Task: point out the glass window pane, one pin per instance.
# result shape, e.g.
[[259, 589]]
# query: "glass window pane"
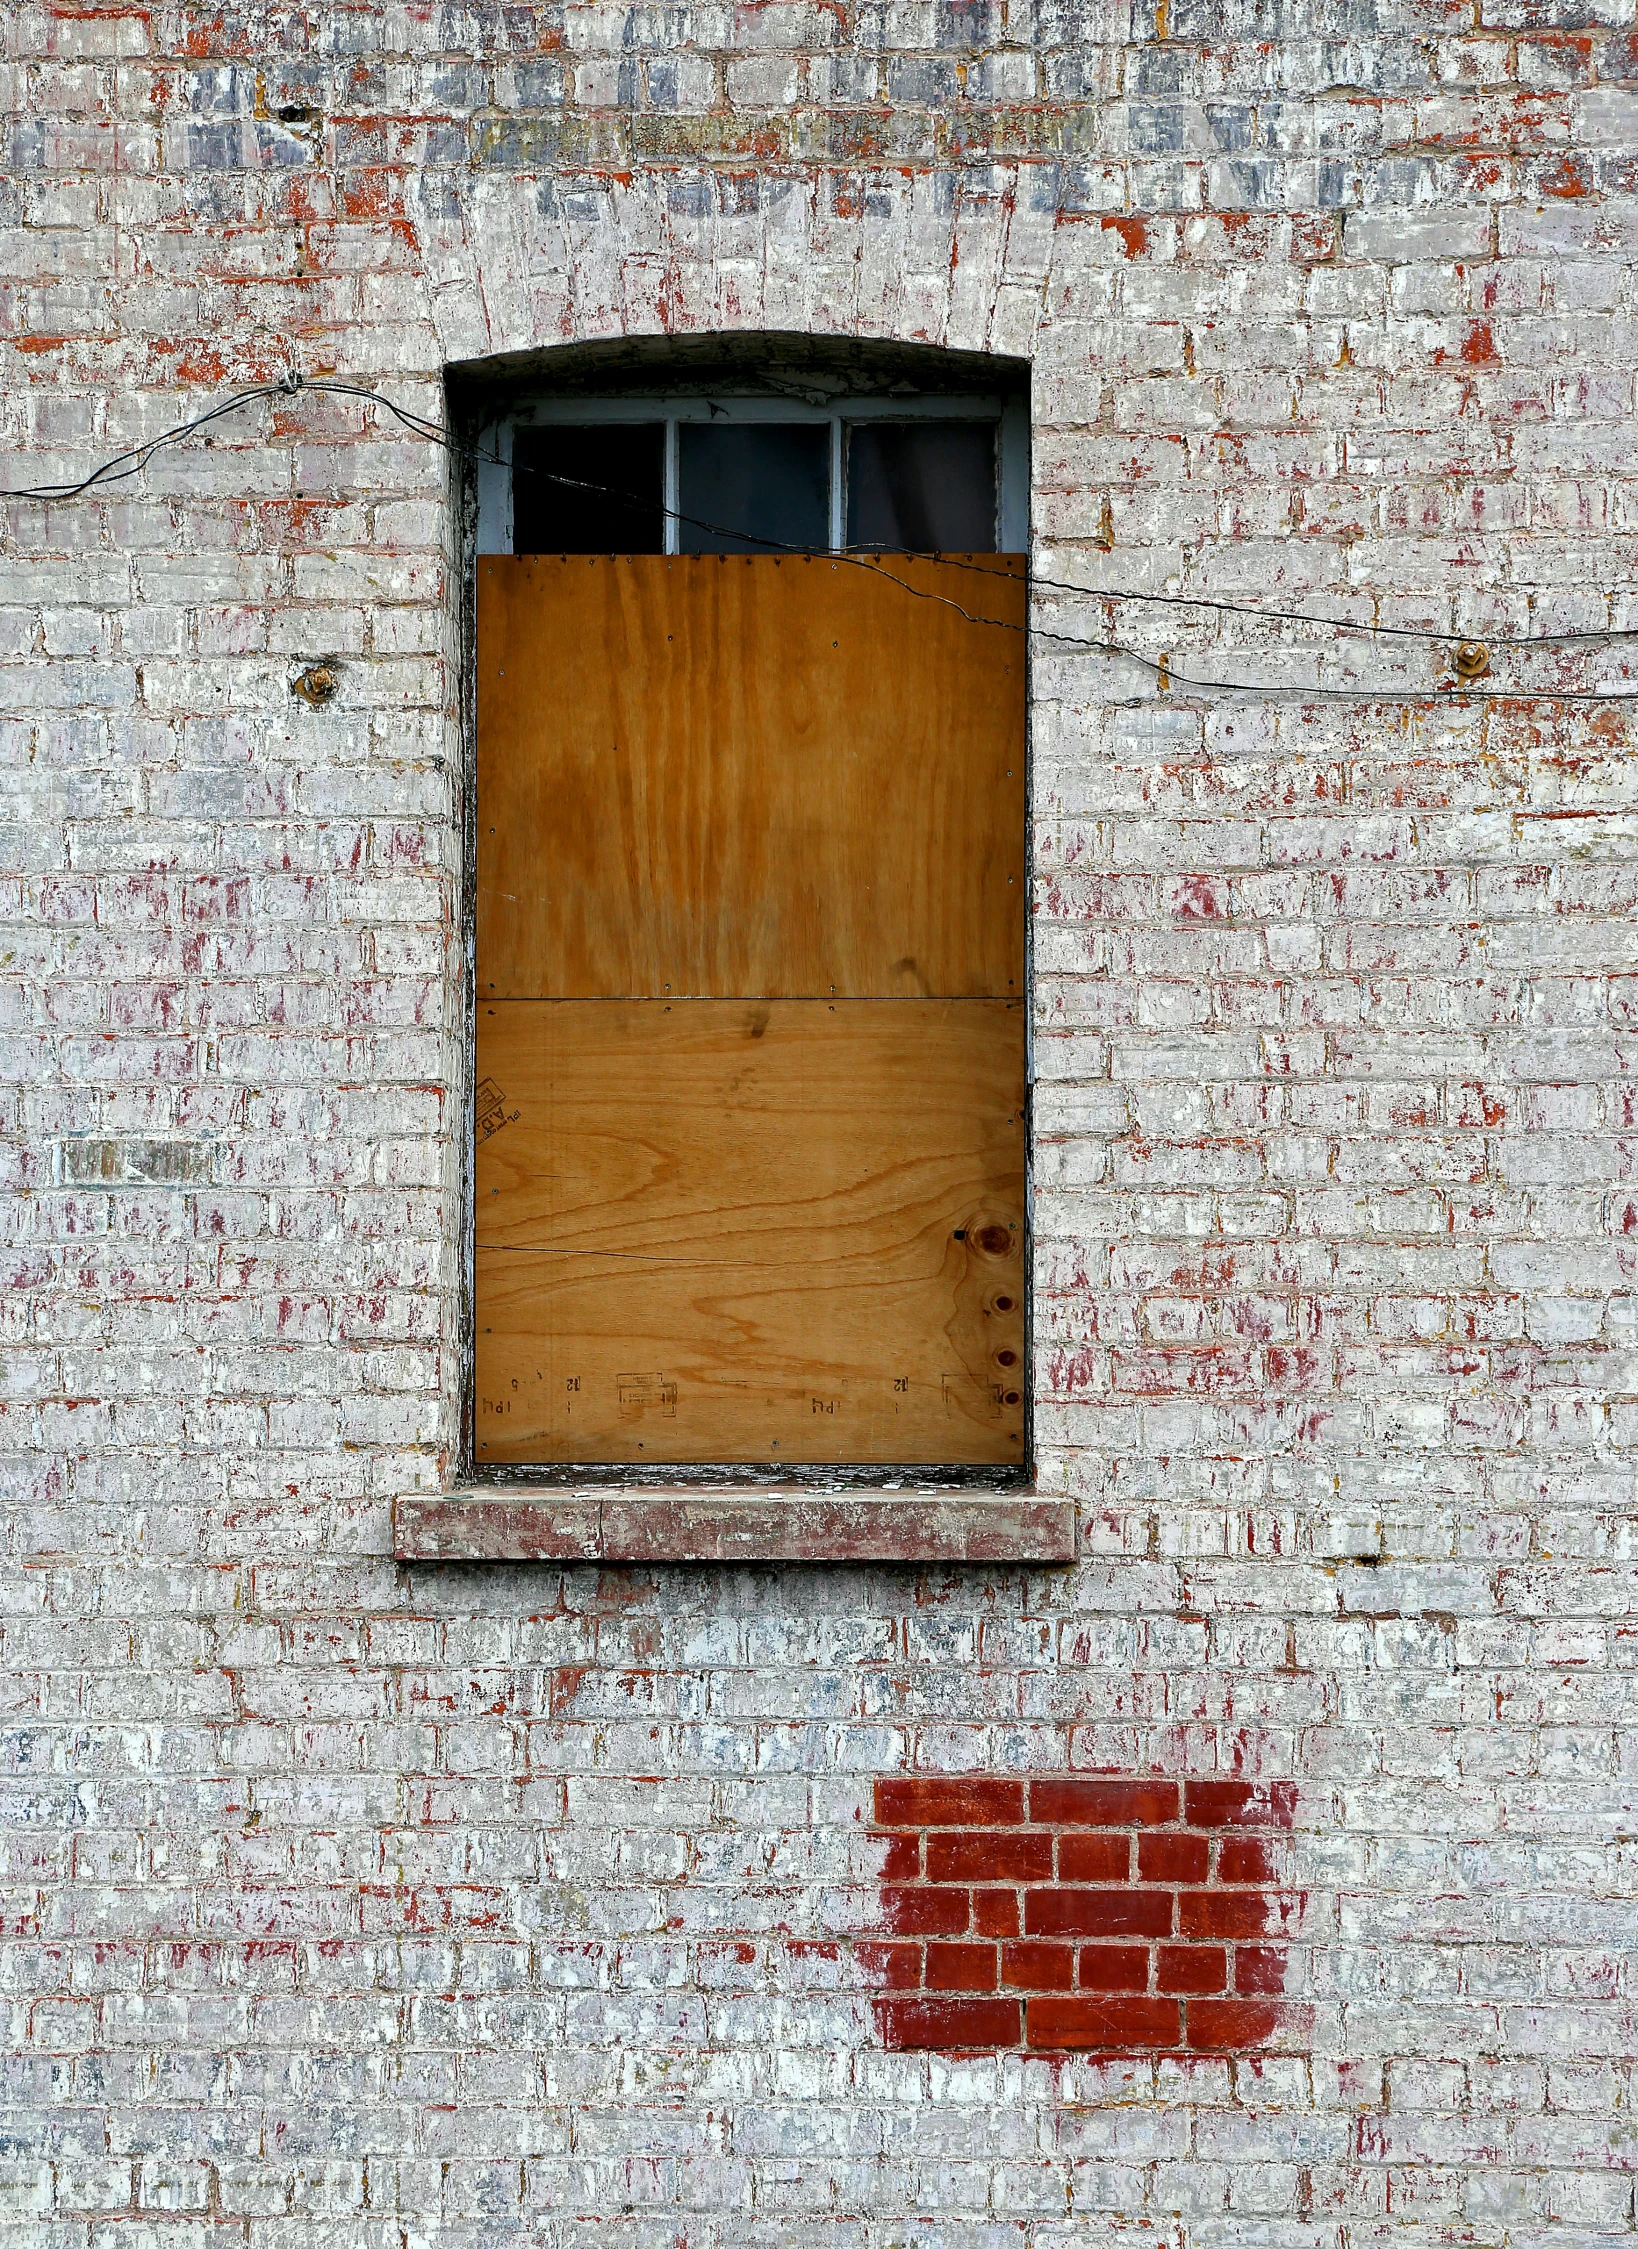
[[759, 486], [623, 512], [921, 487]]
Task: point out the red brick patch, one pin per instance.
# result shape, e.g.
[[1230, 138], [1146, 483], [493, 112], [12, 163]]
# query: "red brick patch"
[[1131, 2025], [1104, 1913], [950, 2024], [948, 1803]]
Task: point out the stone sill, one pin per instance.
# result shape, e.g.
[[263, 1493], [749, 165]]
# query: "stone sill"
[[753, 1523]]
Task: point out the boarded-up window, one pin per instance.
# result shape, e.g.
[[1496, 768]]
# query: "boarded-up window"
[[751, 1038]]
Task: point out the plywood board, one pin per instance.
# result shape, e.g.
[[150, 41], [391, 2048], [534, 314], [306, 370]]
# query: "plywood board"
[[736, 775], [782, 1231]]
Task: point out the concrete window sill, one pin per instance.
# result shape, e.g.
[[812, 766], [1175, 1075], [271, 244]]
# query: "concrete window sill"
[[765, 1523]]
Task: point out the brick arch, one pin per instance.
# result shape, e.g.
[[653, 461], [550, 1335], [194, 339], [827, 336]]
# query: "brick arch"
[[517, 260]]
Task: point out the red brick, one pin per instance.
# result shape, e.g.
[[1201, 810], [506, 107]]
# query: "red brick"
[[1219, 2026], [1191, 1967], [1038, 1967], [1173, 1858], [901, 1857], [1098, 1913], [995, 1913], [1113, 1967], [961, 1967], [909, 2025], [1088, 1802], [1259, 1967], [897, 1967], [1226, 1913], [1094, 1858], [988, 1860], [1238, 1803], [911, 1801], [1128, 2026], [990, 1855], [924, 1912], [1244, 1858]]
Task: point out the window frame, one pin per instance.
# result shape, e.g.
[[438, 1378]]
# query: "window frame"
[[1010, 415], [727, 1514]]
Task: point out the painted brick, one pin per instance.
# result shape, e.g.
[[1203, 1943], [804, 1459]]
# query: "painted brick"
[[511, 1902], [961, 1967], [1112, 1967], [1223, 2024], [1216, 1913], [1195, 1967], [926, 1913], [995, 1912], [1038, 1967], [1238, 1804], [1173, 1858], [1242, 1862]]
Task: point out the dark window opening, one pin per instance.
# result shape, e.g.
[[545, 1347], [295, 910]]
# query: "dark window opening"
[[611, 497], [752, 487], [924, 487]]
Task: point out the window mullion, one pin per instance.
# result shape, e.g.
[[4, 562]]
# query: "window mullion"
[[673, 542]]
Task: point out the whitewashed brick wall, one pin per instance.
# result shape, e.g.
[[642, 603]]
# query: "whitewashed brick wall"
[[355, 1906]]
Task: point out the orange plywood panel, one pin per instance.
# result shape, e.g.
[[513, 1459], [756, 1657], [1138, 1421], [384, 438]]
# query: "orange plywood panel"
[[749, 775], [782, 1231]]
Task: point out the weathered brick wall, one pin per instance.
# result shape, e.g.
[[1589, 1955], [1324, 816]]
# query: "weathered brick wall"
[[458, 1908]]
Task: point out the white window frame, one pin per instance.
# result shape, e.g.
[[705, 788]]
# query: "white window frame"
[[1011, 416]]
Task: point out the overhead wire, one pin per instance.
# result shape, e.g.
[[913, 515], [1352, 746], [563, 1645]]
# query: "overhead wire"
[[137, 457], [1038, 582], [131, 461], [1603, 635]]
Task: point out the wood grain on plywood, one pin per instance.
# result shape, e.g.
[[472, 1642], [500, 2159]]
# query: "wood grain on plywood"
[[786, 1231], [728, 775]]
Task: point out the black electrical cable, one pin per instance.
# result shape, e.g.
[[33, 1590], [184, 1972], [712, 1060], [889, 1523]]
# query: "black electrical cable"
[[1038, 583], [1604, 636], [1163, 670], [129, 463], [135, 458]]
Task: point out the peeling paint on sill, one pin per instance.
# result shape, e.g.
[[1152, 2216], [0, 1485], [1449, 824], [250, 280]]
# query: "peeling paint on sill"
[[773, 1524]]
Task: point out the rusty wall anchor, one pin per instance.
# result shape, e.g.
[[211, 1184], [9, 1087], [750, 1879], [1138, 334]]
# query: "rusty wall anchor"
[[317, 685]]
